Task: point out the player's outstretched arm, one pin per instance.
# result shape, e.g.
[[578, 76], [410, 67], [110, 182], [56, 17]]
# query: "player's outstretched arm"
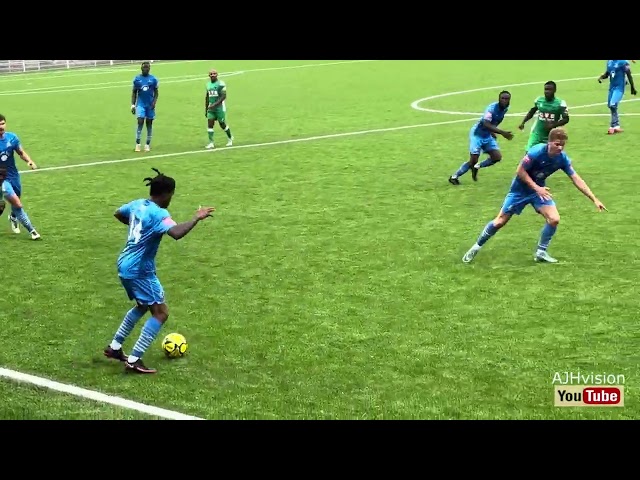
[[603, 76], [497, 131], [182, 229], [584, 188], [25, 156], [528, 116]]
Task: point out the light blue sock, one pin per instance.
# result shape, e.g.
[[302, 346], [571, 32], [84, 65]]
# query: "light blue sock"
[[545, 237], [138, 134], [149, 134], [132, 317], [615, 119], [23, 218], [487, 163], [488, 232], [148, 334], [464, 168]]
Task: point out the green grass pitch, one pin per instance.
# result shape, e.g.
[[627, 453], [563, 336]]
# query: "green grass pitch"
[[329, 285]]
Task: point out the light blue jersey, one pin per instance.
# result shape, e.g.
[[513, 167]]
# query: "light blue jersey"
[[617, 70], [9, 144], [146, 87], [147, 224], [480, 138], [540, 166]]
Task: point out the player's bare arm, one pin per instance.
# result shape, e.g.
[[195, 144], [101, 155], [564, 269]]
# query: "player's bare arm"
[[25, 156], [528, 117], [564, 119], [584, 188], [134, 97], [156, 95], [206, 102], [602, 77], [497, 131], [181, 229], [630, 78], [121, 218], [543, 192]]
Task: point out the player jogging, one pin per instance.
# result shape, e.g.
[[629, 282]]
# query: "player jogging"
[[552, 113], [616, 72], [9, 194], [215, 108], [143, 103], [9, 145], [148, 222], [482, 138], [529, 188]]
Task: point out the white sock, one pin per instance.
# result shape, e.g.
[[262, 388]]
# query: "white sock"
[[115, 345], [132, 359]]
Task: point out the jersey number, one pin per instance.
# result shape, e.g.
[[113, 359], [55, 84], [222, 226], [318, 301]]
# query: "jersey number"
[[135, 228]]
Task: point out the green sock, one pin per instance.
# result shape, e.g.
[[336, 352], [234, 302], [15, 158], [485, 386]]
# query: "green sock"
[[210, 132], [228, 132]]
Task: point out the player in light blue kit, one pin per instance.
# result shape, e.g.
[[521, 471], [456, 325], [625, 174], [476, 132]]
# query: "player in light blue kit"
[[482, 138], [143, 103], [9, 145], [616, 72], [148, 222], [9, 194], [529, 188]]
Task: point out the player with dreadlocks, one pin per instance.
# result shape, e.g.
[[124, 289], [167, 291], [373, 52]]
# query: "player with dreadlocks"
[[148, 222]]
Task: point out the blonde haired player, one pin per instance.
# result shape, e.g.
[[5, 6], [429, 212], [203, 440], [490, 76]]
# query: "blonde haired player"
[[529, 188]]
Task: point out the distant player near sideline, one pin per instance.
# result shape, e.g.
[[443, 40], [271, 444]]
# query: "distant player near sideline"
[[552, 113], [143, 103], [12, 198], [482, 138], [529, 188], [148, 222], [9, 145], [215, 108], [616, 72]]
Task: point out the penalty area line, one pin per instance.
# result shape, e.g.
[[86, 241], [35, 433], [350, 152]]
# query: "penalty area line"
[[93, 395]]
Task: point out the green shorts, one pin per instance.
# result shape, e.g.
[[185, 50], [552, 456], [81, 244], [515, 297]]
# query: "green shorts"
[[535, 139], [217, 114]]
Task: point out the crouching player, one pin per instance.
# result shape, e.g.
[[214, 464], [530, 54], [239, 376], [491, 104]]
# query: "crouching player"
[[149, 221], [529, 188]]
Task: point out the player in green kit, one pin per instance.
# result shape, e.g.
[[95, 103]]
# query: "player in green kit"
[[215, 109], [552, 113]]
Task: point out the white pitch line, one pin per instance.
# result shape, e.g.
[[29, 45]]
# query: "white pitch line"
[[190, 78], [416, 104], [93, 395], [142, 157]]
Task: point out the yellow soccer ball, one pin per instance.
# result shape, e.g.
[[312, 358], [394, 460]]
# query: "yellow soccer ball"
[[174, 345]]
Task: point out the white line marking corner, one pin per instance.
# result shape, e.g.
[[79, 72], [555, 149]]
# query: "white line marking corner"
[[93, 395]]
